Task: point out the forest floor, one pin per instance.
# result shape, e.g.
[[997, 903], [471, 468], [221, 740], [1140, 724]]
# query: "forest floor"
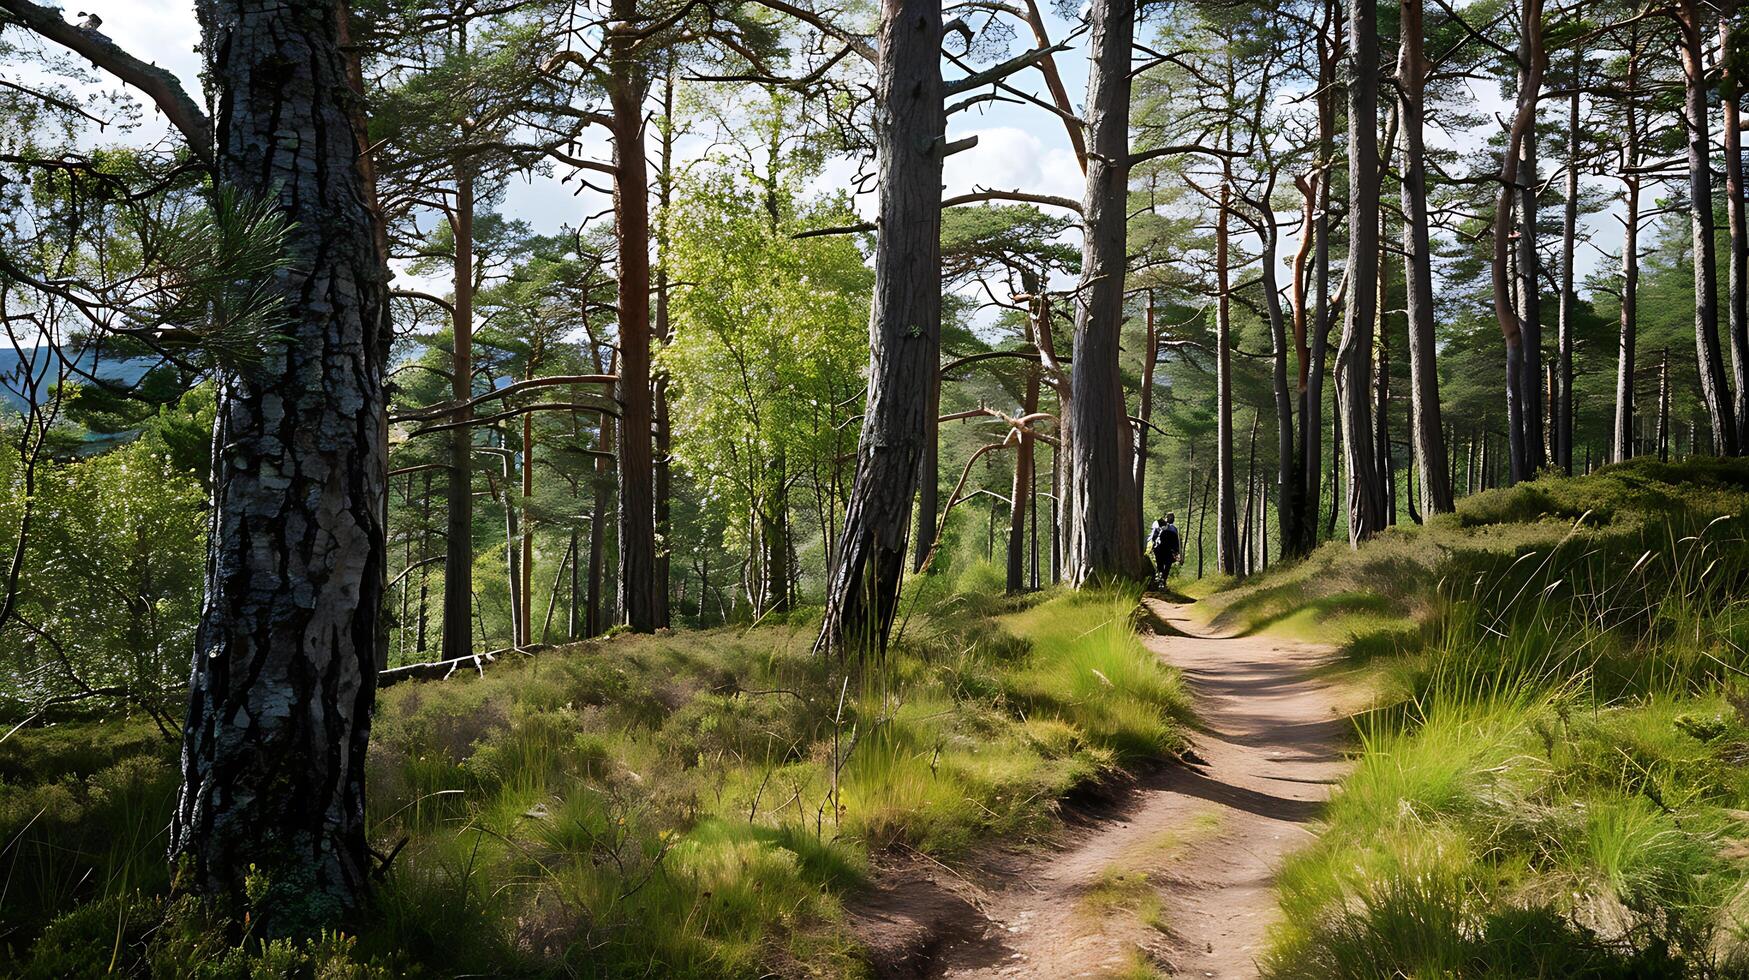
[[1177, 874]]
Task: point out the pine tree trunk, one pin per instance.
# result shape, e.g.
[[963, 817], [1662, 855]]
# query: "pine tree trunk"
[[1366, 503], [1563, 392], [1312, 403], [1738, 277], [1106, 542], [284, 667], [905, 331], [627, 83], [1145, 407], [458, 565], [1021, 503], [1521, 414], [1227, 551], [1287, 476], [1426, 425], [1622, 444], [1529, 257], [1714, 390]]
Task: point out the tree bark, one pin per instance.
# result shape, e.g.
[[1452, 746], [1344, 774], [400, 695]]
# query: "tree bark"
[[1531, 53], [1106, 542], [1366, 503], [904, 331], [1426, 423], [1521, 417], [1563, 393], [1622, 441], [1738, 277], [1145, 407], [1714, 391], [1227, 550], [1287, 476], [1021, 503], [458, 565], [1312, 401], [628, 81], [284, 668], [664, 335]]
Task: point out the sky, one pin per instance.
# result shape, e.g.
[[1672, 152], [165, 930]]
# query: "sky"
[[1019, 147]]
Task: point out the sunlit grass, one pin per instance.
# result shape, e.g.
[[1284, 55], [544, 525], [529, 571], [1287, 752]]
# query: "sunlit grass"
[[1550, 782]]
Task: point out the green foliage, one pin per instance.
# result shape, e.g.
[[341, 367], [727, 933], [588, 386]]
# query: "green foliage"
[[110, 585]]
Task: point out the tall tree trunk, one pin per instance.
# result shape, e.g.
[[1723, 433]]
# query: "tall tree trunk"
[[1227, 552], [1521, 416], [639, 590], [1145, 407], [598, 509], [1312, 402], [1738, 277], [458, 565], [1563, 392], [1106, 542], [1622, 444], [1366, 497], [1426, 423], [285, 658], [1287, 475], [1714, 390], [905, 330], [1021, 503], [1531, 51], [664, 433], [1664, 406], [526, 612], [774, 542]]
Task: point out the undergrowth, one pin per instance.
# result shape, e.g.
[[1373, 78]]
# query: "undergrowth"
[[684, 805], [1552, 783]]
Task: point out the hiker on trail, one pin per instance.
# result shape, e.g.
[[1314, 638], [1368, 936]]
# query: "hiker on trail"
[[1163, 544]]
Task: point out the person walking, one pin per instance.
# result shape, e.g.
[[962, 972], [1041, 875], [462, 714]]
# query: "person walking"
[[1165, 546]]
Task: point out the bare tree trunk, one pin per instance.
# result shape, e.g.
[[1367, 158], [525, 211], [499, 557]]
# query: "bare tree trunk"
[[664, 335], [905, 330], [628, 81], [1714, 390], [1366, 503], [526, 611], [1426, 425], [1664, 406], [1227, 550], [1521, 413], [1106, 540], [1287, 480], [1312, 401], [285, 659], [1021, 503], [1145, 408], [1563, 392], [1529, 257], [1738, 277], [458, 566], [1622, 445]]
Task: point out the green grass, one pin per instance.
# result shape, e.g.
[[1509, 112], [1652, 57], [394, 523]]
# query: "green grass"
[[697, 804], [1552, 783]]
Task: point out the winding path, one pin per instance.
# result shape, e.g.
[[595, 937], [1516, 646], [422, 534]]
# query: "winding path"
[[1179, 876]]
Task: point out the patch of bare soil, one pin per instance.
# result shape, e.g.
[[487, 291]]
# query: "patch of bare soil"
[[1178, 873]]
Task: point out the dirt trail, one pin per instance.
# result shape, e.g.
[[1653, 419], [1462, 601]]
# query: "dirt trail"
[[1181, 873]]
